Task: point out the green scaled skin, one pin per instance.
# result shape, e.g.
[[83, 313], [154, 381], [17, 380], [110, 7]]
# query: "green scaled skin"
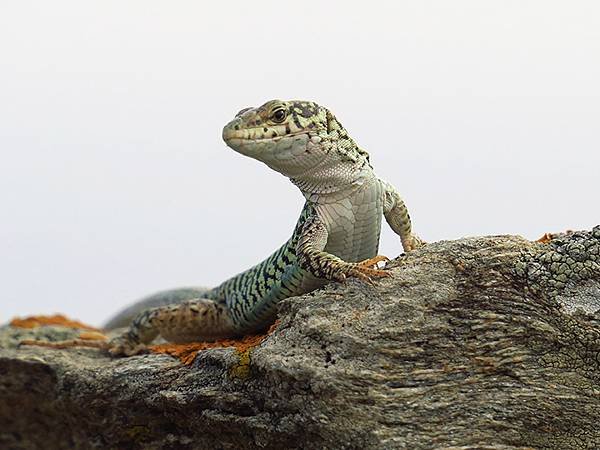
[[336, 236]]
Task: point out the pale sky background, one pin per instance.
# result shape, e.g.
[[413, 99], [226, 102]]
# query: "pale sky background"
[[114, 181]]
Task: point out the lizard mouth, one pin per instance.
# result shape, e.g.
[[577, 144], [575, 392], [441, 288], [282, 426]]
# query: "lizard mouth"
[[237, 137]]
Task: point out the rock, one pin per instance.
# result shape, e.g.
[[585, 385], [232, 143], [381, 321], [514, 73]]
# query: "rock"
[[489, 342]]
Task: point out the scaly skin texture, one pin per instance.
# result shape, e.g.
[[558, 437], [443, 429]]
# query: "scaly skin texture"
[[336, 237]]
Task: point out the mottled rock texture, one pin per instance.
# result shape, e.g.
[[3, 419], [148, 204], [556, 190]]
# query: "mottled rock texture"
[[487, 343]]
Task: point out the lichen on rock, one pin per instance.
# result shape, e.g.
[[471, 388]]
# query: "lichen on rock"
[[487, 342], [567, 260]]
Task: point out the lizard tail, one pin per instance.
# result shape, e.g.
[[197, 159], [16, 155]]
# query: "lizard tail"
[[170, 297]]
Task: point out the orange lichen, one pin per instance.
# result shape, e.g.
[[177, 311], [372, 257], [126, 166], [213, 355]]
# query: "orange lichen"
[[93, 336], [187, 352], [57, 319], [547, 237]]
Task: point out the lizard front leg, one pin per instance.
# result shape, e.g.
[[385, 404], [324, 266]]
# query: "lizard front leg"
[[192, 320], [321, 264], [397, 217]]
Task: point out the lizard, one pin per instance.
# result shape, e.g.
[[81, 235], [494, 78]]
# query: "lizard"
[[336, 236]]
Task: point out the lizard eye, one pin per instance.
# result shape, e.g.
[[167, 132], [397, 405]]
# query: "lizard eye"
[[278, 115]]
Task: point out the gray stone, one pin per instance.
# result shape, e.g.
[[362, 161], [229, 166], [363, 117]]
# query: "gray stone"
[[475, 343]]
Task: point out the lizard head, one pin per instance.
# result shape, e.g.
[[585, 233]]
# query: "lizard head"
[[295, 138]]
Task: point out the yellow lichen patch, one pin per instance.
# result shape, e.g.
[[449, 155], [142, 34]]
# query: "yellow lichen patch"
[[187, 352], [57, 319], [242, 368]]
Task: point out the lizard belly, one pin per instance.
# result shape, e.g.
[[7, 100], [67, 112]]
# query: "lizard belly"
[[354, 223]]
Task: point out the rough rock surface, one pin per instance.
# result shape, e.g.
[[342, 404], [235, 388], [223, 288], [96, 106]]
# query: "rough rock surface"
[[488, 343]]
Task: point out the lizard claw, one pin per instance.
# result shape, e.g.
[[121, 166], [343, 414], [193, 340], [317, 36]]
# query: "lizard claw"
[[365, 273], [372, 262]]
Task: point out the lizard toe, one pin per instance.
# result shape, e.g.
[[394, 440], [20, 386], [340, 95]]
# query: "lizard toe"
[[372, 262], [121, 346], [366, 274]]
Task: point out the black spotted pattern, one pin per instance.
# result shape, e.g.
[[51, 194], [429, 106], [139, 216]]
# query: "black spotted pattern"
[[251, 296]]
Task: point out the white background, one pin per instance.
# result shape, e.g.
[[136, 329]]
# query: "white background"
[[114, 181]]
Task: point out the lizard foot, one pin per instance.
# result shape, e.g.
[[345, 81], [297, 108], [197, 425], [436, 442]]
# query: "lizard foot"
[[363, 272], [372, 262], [413, 243], [121, 346]]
